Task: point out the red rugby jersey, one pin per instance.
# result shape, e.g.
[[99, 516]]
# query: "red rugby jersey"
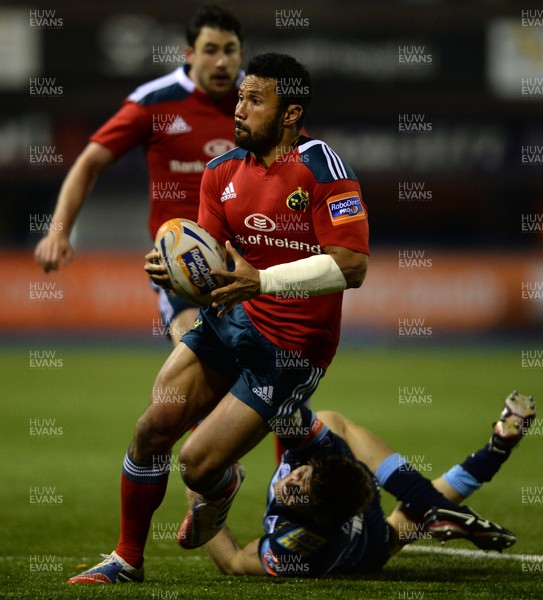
[[307, 199], [180, 129]]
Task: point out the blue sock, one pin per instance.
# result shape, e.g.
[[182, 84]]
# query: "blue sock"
[[462, 481], [403, 481], [478, 468]]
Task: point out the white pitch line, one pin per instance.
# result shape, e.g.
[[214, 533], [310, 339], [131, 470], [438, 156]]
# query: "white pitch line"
[[474, 553], [158, 559], [536, 558]]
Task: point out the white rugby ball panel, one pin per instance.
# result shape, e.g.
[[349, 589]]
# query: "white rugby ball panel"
[[190, 253]]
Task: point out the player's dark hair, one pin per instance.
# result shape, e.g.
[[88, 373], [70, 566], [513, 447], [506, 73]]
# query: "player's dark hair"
[[340, 488], [212, 15], [293, 80]]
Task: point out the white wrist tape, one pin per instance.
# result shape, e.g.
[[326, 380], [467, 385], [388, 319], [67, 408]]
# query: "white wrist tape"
[[316, 275]]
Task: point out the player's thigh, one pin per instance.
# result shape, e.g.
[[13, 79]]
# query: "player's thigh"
[[230, 431], [364, 444], [181, 323], [185, 391], [334, 420]]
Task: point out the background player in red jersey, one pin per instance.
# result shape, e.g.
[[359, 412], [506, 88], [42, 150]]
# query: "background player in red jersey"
[[233, 368], [182, 120]]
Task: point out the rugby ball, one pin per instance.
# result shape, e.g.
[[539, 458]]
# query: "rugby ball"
[[190, 253]]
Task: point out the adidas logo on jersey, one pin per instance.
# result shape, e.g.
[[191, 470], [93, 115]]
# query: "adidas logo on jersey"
[[266, 393], [179, 125], [228, 193]]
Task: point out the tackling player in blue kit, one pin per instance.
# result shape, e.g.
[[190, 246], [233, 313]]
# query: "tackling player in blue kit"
[[323, 513]]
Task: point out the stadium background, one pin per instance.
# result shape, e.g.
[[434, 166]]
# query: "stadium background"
[[454, 209], [452, 307]]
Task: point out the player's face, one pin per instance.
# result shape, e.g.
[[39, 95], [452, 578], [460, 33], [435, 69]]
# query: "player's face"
[[215, 61], [293, 490], [258, 119]]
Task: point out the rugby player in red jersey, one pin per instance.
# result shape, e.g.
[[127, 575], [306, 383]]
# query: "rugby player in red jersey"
[[255, 356], [181, 120]]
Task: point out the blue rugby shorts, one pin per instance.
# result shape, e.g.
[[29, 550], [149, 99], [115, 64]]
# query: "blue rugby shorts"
[[262, 374]]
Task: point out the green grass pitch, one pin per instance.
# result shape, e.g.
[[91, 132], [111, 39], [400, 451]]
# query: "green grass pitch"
[[65, 429]]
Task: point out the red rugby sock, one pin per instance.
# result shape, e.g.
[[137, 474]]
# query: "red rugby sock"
[[138, 503]]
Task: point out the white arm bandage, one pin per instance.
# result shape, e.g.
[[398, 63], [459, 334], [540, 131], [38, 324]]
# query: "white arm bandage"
[[316, 275]]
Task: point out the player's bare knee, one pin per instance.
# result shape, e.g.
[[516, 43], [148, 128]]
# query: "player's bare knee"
[[191, 467], [151, 438], [198, 467]]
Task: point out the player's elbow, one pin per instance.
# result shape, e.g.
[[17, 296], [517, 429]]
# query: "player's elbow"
[[230, 566], [353, 265], [354, 270], [222, 564], [234, 568], [226, 569], [94, 159]]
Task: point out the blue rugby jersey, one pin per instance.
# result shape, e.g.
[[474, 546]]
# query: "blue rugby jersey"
[[291, 547]]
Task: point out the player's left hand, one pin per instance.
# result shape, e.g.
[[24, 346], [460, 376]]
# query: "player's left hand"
[[243, 283], [156, 271]]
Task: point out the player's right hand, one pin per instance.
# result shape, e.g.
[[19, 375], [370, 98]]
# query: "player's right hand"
[[243, 283], [53, 249]]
